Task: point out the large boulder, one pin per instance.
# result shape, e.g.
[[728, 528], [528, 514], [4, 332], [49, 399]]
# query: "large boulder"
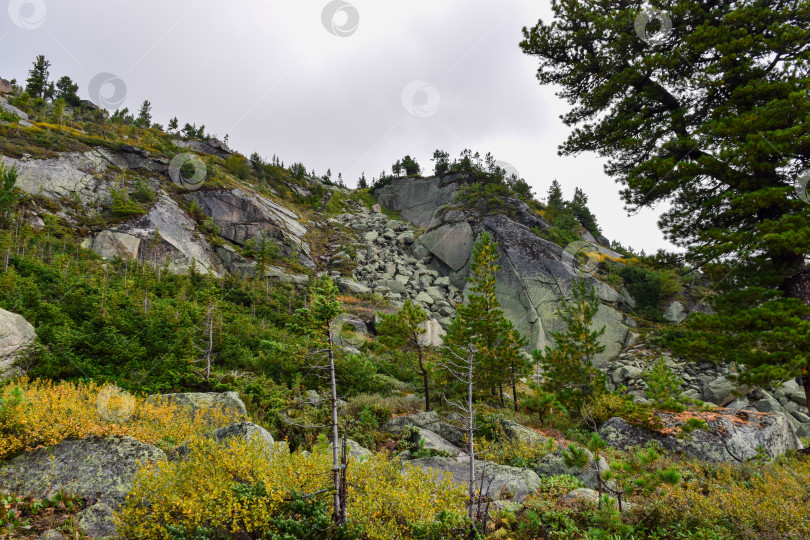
[[516, 431], [241, 216], [424, 420], [355, 450], [417, 199], [166, 234], [111, 244], [212, 147], [432, 442], [97, 469], [15, 335], [498, 482], [430, 421], [97, 521], [451, 243], [199, 402], [434, 334], [534, 277], [554, 464], [5, 87], [731, 437], [246, 431], [241, 431]]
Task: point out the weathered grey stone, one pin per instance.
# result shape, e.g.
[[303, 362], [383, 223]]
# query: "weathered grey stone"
[[371, 236], [52, 534], [675, 312], [241, 216], [513, 430], [532, 280], [425, 298], [355, 450], [200, 402], [247, 431], [111, 244], [212, 147], [425, 420], [418, 200], [434, 334], [5, 87], [94, 468], [554, 464], [721, 391], [451, 243], [97, 521], [11, 109], [625, 373], [740, 435], [281, 275], [500, 482], [434, 442], [15, 335], [392, 285], [351, 286]]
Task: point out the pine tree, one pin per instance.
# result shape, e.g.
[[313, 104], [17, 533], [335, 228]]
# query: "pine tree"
[[579, 207], [37, 82], [727, 151], [8, 198], [173, 125], [481, 322], [401, 331], [567, 366], [555, 197], [58, 110], [442, 160], [144, 115], [409, 166], [362, 183], [66, 89]]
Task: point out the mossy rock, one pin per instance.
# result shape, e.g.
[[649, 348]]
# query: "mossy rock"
[[97, 469]]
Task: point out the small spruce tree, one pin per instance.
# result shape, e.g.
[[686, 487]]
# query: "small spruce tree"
[[37, 82], [567, 367]]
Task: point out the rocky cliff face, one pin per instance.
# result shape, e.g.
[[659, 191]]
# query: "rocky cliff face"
[[425, 257], [535, 274]]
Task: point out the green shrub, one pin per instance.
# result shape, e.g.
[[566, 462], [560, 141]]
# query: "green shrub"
[[238, 166], [123, 206]]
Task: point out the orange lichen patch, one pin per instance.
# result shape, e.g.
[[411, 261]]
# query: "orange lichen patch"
[[551, 433], [672, 421]]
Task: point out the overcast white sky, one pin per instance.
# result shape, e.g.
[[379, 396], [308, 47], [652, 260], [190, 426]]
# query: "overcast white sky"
[[272, 76]]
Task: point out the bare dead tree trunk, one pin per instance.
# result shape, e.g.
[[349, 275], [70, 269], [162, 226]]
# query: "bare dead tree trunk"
[[425, 380], [210, 350], [471, 445], [338, 514]]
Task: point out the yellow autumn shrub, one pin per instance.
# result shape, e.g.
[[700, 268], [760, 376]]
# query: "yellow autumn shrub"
[[41, 413], [764, 502], [205, 492]]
